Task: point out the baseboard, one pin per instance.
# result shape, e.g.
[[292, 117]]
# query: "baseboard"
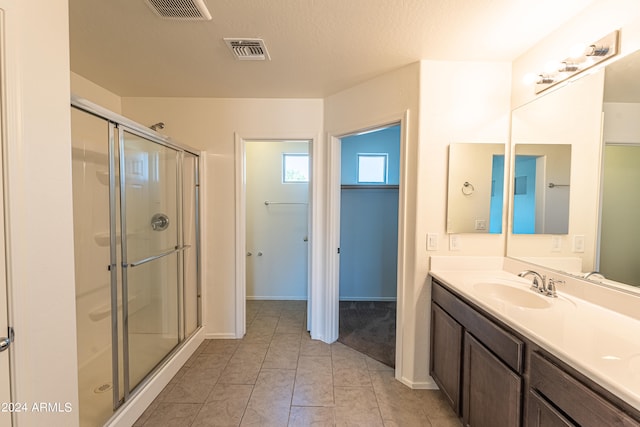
[[276, 298], [220, 336], [368, 299], [419, 385]]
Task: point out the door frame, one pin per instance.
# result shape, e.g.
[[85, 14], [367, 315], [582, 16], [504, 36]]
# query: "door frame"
[[7, 390], [314, 280], [333, 221]]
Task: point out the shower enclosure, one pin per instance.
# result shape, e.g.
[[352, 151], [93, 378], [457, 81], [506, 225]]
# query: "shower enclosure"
[[136, 251]]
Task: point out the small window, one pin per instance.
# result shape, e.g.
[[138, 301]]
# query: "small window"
[[372, 168], [295, 168]]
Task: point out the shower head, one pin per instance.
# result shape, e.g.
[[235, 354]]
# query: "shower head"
[[159, 125]]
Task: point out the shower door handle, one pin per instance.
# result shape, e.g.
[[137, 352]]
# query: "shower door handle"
[[5, 342]]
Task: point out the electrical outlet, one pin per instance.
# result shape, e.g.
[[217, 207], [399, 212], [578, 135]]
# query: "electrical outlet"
[[432, 241], [454, 242], [481, 224], [556, 243], [578, 243]]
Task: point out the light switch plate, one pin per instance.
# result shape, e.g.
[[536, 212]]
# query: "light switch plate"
[[454, 242], [432, 241]]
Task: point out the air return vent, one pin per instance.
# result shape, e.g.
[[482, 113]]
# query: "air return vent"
[[185, 10], [248, 49]]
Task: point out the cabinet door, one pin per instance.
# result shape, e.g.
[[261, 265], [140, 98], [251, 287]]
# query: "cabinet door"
[[541, 414], [491, 391], [446, 355]]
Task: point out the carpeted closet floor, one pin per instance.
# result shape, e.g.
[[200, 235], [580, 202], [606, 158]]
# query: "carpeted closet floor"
[[370, 328]]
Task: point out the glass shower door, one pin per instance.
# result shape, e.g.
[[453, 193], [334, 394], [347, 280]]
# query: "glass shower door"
[[150, 254]]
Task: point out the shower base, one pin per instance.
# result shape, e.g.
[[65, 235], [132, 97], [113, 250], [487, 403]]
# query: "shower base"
[[95, 382]]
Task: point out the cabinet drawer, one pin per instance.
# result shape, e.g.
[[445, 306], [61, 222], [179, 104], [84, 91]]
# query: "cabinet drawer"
[[573, 398], [505, 345]]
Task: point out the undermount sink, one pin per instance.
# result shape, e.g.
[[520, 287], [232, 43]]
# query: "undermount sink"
[[521, 297]]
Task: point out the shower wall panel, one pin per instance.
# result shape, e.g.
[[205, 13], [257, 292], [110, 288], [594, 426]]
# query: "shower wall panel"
[[90, 158]]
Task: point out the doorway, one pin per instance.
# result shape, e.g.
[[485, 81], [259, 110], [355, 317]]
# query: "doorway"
[[277, 178], [617, 258], [369, 200]]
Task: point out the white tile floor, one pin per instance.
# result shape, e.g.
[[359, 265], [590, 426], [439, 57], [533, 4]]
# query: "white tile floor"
[[277, 376]]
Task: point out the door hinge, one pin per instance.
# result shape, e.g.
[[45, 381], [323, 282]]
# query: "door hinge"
[[338, 250]]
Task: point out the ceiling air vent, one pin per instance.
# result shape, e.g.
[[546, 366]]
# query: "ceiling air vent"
[[185, 10], [248, 49]]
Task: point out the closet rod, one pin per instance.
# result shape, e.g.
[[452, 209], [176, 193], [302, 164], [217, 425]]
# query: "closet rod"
[[369, 187], [267, 203]]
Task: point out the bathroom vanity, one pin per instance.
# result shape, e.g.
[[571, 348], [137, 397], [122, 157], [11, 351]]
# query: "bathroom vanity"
[[504, 355]]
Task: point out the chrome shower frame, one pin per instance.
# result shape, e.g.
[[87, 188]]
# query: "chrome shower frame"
[[117, 126]]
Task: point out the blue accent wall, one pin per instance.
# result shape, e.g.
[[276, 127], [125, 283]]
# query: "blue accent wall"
[[497, 191], [524, 201], [383, 141], [369, 221]]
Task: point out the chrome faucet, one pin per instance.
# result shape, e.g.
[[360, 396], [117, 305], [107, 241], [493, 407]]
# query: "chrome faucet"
[[552, 286], [594, 273], [538, 283]]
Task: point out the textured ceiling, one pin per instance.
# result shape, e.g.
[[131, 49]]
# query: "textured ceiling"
[[317, 47]]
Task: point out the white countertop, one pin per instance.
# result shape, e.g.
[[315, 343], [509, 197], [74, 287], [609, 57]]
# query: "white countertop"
[[600, 343]]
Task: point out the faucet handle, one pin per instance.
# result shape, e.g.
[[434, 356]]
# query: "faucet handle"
[[551, 286]]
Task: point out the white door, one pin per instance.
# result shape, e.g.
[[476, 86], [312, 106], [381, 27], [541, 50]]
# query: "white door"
[[277, 192], [5, 378]]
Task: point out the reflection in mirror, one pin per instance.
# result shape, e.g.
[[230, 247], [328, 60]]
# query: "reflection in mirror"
[[476, 187], [604, 231], [541, 189], [619, 225], [569, 115]]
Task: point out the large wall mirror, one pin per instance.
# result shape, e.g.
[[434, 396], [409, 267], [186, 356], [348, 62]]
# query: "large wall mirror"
[[603, 193], [476, 188]]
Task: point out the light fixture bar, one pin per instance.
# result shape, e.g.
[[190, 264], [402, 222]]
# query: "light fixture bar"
[[590, 56]]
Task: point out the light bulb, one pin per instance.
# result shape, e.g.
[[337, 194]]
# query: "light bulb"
[[551, 67], [529, 79], [577, 50]]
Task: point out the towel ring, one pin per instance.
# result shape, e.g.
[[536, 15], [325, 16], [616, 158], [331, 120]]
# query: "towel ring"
[[467, 188]]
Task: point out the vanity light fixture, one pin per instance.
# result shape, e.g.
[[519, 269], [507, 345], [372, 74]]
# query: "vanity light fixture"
[[581, 59]]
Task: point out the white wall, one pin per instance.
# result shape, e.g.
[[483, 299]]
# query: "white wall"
[[211, 125], [276, 231], [40, 208], [459, 102], [621, 124], [90, 91]]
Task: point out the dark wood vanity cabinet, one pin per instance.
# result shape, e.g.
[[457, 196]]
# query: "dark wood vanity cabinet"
[[575, 403], [491, 390], [476, 363], [541, 413], [492, 376], [446, 368]]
